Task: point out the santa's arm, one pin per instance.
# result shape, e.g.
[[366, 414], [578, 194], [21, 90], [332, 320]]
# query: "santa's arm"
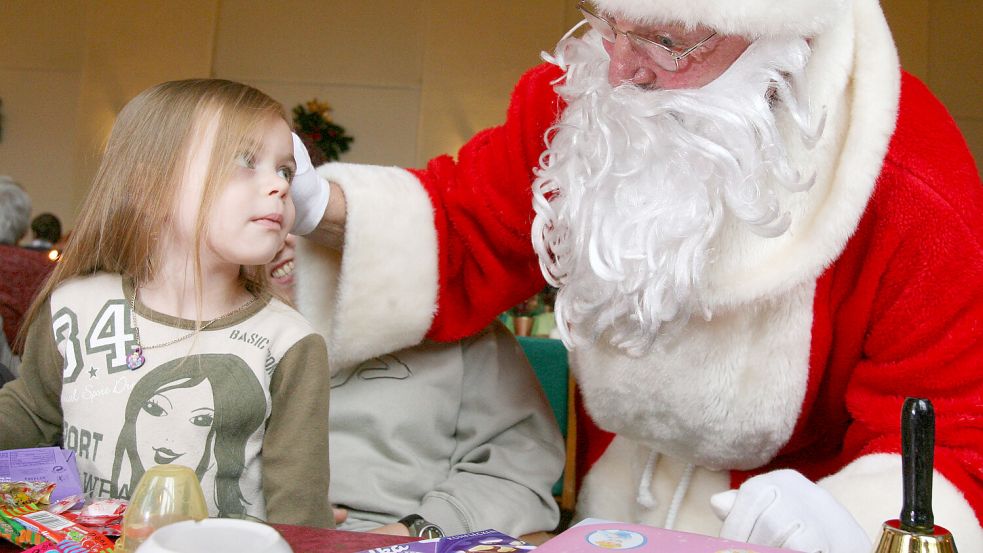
[[947, 373], [437, 252], [922, 337]]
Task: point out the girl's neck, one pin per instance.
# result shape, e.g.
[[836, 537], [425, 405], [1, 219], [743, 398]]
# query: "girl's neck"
[[173, 292]]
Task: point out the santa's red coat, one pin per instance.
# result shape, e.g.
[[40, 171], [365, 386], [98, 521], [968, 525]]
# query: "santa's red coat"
[[897, 312]]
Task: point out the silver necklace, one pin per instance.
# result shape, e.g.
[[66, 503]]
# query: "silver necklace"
[[135, 359]]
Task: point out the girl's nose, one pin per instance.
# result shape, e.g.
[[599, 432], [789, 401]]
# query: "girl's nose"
[[277, 186]]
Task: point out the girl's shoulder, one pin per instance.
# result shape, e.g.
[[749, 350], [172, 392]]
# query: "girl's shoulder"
[[96, 279], [276, 314], [95, 287]]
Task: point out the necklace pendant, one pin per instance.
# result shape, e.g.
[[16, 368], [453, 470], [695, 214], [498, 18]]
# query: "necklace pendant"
[[135, 360]]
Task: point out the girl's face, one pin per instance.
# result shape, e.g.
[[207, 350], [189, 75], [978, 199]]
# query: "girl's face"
[[185, 412], [253, 212]]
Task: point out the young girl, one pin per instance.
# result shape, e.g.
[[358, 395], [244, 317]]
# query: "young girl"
[[156, 339], [465, 439]]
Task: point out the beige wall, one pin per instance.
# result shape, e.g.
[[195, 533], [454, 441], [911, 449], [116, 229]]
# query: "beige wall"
[[409, 79], [41, 60], [364, 58], [66, 69], [939, 42], [121, 35]]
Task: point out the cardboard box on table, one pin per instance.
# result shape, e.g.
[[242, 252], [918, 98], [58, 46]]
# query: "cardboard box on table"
[[600, 536]]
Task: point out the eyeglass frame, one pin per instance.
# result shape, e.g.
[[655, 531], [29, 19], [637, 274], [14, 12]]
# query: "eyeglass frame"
[[632, 37]]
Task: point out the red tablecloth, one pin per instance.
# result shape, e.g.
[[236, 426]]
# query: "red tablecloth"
[[316, 540], [310, 540]]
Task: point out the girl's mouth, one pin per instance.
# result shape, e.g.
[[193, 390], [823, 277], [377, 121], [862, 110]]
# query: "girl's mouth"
[[164, 456]]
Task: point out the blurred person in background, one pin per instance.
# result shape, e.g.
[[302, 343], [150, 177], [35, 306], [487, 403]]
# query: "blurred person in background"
[[7, 359], [22, 271], [15, 211], [47, 232]]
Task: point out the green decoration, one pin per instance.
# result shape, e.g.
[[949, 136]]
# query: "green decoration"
[[325, 140]]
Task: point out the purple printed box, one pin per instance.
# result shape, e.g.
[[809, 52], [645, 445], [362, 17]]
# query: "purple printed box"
[[483, 541], [42, 464], [597, 536]]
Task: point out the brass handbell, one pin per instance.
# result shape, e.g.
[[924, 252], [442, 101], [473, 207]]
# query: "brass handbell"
[[915, 531]]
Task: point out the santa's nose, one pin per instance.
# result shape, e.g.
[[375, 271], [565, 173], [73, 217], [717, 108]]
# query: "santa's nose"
[[628, 64]]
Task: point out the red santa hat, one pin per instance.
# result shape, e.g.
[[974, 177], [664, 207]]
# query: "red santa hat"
[[750, 18]]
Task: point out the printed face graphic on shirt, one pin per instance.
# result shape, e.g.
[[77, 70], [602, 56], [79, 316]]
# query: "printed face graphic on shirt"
[[176, 415], [198, 411]]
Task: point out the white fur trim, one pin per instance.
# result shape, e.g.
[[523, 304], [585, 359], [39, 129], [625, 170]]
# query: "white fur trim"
[[380, 294], [750, 18], [870, 488], [854, 76], [727, 396]]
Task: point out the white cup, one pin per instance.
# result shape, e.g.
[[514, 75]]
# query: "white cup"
[[215, 535]]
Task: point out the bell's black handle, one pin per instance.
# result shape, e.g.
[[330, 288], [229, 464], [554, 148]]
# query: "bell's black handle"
[[917, 458]]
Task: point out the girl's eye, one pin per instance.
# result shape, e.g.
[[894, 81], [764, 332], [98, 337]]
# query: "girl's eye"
[[153, 408], [286, 173], [245, 160], [201, 420]]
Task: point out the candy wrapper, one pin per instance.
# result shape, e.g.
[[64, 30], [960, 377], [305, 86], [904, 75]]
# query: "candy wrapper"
[[103, 515], [18, 494], [45, 464], [58, 529], [43, 547], [60, 547], [16, 533]]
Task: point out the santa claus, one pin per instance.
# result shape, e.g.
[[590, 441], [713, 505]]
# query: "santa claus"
[[765, 236]]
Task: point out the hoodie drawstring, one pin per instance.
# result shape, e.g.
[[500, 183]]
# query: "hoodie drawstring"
[[644, 496], [647, 500]]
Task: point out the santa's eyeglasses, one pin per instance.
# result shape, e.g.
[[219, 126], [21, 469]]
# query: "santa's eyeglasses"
[[662, 49]]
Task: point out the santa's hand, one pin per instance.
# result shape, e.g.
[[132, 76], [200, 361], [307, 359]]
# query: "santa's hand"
[[309, 191], [785, 509]]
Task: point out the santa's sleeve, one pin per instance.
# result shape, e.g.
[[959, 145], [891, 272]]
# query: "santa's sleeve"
[[436, 252], [923, 325]]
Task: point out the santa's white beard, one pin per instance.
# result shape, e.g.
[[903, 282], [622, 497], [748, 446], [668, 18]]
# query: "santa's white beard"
[[636, 184]]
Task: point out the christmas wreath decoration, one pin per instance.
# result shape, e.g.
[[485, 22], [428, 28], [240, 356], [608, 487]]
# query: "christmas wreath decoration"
[[325, 139]]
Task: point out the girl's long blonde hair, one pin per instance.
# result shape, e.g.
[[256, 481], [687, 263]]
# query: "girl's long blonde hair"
[[134, 193]]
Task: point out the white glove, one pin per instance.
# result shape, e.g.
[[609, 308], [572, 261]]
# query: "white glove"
[[309, 191], [785, 509]]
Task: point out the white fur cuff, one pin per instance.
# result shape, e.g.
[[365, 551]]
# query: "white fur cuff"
[[385, 291], [870, 488]]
